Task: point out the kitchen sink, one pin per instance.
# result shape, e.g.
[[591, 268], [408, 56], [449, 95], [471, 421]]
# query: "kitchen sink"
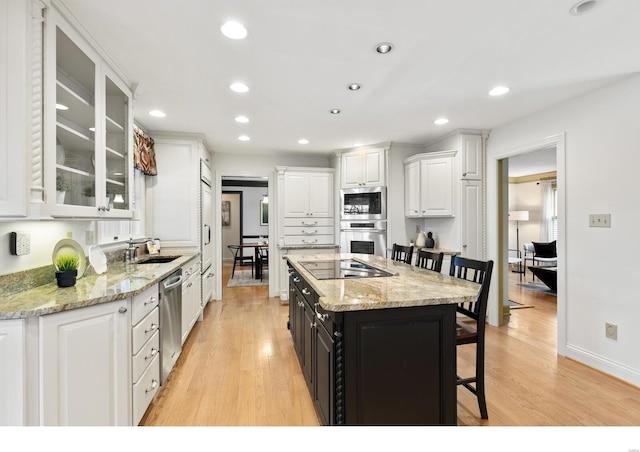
[[158, 260]]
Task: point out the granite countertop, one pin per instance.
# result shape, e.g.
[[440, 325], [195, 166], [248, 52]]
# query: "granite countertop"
[[409, 285], [119, 281]]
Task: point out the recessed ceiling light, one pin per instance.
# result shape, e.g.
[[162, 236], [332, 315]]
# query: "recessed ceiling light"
[[354, 86], [233, 30], [303, 141], [334, 111], [441, 121], [157, 113], [499, 91], [243, 138], [61, 107], [243, 119], [583, 7], [357, 145], [384, 47], [239, 87]]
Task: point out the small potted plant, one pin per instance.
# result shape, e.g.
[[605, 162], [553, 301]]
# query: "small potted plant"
[[90, 193], [62, 187], [67, 269]]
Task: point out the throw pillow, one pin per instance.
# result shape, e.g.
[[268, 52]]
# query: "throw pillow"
[[545, 249]]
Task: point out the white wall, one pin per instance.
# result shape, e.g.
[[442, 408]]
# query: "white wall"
[[525, 196], [600, 150]]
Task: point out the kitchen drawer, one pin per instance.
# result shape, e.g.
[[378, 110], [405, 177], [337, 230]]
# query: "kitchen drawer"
[[308, 230], [145, 389], [144, 357], [143, 331], [144, 304], [306, 222], [207, 286], [308, 240], [190, 269]]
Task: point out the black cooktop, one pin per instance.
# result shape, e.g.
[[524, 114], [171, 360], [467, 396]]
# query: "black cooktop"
[[342, 269]]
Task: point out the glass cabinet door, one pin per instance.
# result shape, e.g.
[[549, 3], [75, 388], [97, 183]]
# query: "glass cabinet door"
[[116, 146], [75, 124]]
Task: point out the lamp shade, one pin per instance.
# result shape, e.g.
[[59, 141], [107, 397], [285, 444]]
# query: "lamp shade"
[[519, 215]]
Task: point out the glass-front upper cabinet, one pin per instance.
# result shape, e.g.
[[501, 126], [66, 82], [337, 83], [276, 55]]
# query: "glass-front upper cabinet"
[[88, 130]]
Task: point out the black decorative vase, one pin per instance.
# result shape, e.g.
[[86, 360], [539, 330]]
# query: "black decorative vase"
[[66, 278], [430, 242]]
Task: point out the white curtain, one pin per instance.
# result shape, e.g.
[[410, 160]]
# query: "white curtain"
[[546, 212]]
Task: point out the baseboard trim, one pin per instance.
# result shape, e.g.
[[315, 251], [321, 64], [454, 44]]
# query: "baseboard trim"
[[607, 366]]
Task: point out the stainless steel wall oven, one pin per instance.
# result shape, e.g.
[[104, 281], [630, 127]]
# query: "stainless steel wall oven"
[[364, 237]]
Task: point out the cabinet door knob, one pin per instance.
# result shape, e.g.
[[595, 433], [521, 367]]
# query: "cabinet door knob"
[[122, 310]]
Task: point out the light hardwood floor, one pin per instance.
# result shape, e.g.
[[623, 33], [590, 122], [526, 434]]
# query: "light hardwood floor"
[[238, 368]]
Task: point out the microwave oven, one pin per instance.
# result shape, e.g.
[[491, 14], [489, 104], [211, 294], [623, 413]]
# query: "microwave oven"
[[363, 203]]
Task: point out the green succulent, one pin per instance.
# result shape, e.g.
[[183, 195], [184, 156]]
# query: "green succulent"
[[66, 262]]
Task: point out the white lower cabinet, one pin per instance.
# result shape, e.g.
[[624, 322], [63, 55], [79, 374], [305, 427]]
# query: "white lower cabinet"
[[145, 349], [85, 366], [191, 293], [12, 373]]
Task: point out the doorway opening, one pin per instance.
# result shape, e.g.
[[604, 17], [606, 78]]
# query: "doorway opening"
[[532, 194]]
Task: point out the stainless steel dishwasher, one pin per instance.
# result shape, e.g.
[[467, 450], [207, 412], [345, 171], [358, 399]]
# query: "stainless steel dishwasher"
[[170, 322]]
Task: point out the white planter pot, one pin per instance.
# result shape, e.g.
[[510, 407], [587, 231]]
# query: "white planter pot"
[[60, 196]]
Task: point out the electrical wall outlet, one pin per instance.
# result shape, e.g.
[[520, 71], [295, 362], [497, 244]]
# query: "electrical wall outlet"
[[20, 243], [600, 220], [611, 330]]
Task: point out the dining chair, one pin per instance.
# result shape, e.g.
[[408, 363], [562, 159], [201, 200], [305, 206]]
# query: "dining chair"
[[238, 258], [402, 253], [262, 262], [470, 325], [429, 260]]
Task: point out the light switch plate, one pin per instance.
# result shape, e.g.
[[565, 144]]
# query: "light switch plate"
[[20, 243], [600, 220]]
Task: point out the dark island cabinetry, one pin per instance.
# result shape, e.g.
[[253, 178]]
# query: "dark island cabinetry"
[[393, 366]]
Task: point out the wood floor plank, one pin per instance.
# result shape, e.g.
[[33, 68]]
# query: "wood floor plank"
[[238, 367]]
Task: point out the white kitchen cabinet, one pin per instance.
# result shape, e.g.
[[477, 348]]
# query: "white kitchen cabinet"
[[12, 373], [430, 184], [88, 134], [191, 297], [472, 156], [363, 168], [174, 194], [145, 351], [471, 219], [14, 23], [308, 194], [85, 366]]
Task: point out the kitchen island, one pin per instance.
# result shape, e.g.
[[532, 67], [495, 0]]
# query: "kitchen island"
[[376, 350]]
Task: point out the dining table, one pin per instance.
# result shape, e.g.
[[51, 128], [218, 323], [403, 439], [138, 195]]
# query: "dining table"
[[256, 247]]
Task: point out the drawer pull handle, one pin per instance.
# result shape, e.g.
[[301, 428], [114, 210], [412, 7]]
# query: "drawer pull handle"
[[122, 310], [296, 279], [309, 233], [153, 353], [154, 385], [153, 328], [309, 224], [306, 291], [313, 241], [151, 300]]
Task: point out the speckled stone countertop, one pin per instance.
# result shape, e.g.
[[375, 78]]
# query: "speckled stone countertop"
[[119, 281], [409, 285]]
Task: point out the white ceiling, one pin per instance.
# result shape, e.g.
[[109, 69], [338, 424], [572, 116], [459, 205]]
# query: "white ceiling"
[[300, 55]]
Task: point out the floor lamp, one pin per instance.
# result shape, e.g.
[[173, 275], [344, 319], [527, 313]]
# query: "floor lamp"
[[518, 216]]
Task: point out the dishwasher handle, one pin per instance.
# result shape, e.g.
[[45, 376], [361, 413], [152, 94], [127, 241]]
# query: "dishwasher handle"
[[172, 282]]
